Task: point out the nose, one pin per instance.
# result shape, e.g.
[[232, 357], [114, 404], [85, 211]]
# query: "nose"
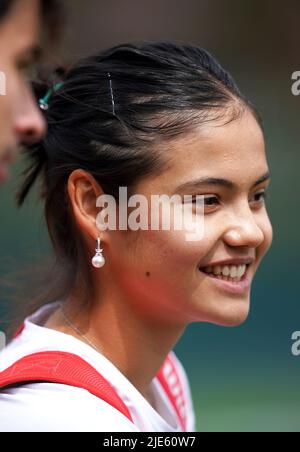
[[244, 230], [30, 125]]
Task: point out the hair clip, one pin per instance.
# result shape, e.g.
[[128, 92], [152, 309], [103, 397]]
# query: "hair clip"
[[111, 93], [44, 102]]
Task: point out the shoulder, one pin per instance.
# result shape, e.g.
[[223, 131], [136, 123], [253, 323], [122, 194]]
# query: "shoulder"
[[50, 407]]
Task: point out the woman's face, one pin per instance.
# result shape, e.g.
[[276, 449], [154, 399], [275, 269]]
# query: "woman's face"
[[159, 271]]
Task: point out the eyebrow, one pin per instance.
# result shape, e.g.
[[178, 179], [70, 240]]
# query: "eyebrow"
[[203, 181]]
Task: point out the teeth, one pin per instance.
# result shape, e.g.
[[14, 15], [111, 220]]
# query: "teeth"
[[233, 271], [226, 270], [242, 270], [216, 270]]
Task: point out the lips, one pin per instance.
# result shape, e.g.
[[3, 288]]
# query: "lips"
[[241, 270], [230, 261], [204, 270], [230, 285]]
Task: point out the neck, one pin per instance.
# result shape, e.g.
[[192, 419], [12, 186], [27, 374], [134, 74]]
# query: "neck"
[[136, 343]]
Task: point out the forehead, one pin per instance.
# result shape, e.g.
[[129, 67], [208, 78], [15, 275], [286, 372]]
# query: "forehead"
[[19, 29], [234, 151]]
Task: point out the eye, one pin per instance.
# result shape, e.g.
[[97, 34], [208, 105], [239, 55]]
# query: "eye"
[[260, 197], [209, 200]]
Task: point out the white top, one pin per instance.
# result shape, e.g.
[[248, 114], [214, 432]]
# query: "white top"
[[51, 407]]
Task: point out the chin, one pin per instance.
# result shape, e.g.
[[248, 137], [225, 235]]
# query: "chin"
[[230, 314], [233, 317]]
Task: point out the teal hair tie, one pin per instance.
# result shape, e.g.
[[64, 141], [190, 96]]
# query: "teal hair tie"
[[44, 102]]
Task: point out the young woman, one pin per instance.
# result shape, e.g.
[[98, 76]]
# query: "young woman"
[[157, 119]]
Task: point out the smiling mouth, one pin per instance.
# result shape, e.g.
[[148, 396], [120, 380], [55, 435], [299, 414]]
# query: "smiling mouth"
[[230, 273]]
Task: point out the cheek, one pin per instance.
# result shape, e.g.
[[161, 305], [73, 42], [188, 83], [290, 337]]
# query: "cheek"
[[173, 251], [169, 252], [9, 87], [6, 122]]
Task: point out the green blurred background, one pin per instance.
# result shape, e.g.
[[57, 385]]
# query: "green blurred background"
[[242, 379]]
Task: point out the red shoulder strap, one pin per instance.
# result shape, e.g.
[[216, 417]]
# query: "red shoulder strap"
[[65, 368], [69, 369], [169, 379]]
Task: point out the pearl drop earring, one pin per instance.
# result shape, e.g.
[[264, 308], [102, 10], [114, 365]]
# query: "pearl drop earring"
[[98, 260]]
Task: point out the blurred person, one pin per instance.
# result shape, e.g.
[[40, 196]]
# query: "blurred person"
[[20, 117], [96, 354]]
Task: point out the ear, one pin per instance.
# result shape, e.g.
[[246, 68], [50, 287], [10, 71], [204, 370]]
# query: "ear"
[[83, 191]]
